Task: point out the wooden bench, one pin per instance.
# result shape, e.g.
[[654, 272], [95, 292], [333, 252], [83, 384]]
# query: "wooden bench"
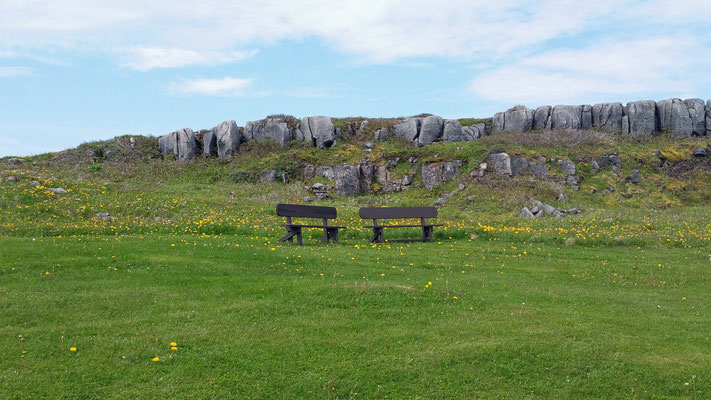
[[376, 213], [298, 211]]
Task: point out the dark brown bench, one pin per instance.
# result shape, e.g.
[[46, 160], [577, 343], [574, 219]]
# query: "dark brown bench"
[[298, 211], [376, 213]]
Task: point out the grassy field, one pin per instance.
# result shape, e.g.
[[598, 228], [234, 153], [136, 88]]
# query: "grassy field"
[[611, 303]]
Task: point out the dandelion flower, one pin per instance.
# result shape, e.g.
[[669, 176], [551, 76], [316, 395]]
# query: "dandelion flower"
[[174, 348], [173, 344], [73, 349], [155, 359]]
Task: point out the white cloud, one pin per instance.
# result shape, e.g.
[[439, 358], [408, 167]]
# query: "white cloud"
[[604, 71], [11, 72], [228, 86], [144, 58]]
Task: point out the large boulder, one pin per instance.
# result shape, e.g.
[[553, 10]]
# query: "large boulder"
[[641, 117], [182, 143], [697, 113], [519, 166], [452, 131], [567, 117], [542, 118], [408, 129], [430, 130], [320, 130], [275, 129], [365, 179], [209, 144], [500, 163], [437, 173], [674, 117], [515, 119], [607, 116], [228, 138], [708, 117]]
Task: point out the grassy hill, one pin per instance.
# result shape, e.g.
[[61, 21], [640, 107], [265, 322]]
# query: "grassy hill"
[[610, 303]]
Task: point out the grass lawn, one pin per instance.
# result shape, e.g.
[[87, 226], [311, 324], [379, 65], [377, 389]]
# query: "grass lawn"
[[458, 318]]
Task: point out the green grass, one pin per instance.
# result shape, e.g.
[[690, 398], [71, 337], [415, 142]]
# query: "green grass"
[[611, 303]]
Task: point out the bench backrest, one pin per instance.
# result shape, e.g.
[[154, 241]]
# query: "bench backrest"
[[299, 211], [397, 212]]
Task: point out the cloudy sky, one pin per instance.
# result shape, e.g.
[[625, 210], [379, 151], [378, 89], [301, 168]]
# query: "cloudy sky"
[[73, 71]]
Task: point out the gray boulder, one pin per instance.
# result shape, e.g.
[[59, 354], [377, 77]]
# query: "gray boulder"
[[526, 213], [453, 132], [430, 130], [275, 129], [708, 117], [697, 113], [500, 163], [567, 117], [381, 134], [542, 118], [182, 143], [57, 190], [320, 130], [538, 170], [699, 152], [209, 144], [635, 178], [607, 116], [227, 138], [519, 166], [568, 167], [515, 119], [641, 117], [437, 173], [15, 161], [674, 117], [365, 178], [347, 180], [408, 129], [268, 176]]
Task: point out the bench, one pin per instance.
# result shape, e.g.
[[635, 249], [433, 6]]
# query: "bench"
[[376, 213], [298, 211]]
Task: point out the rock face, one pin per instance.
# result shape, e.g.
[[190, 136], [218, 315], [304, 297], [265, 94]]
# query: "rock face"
[[275, 129], [607, 117], [515, 119], [708, 117], [347, 180], [182, 144], [500, 163], [697, 113], [571, 117], [227, 137], [320, 130], [674, 117], [437, 173], [519, 166], [641, 117], [209, 144], [542, 118], [381, 134]]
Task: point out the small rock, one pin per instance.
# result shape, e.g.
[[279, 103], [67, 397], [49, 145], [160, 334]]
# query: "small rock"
[[626, 195], [541, 159], [318, 187], [568, 167], [57, 190], [268, 176], [159, 183], [593, 191], [11, 179], [307, 199], [412, 160], [561, 197], [111, 154], [526, 213], [699, 152], [104, 216], [321, 195], [231, 195], [368, 145], [611, 188], [470, 198], [15, 161], [462, 186], [440, 202], [132, 143], [616, 170], [635, 178], [363, 125]]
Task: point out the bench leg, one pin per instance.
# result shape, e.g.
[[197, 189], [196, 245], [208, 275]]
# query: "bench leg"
[[333, 234], [298, 237], [428, 233], [290, 233], [377, 235]]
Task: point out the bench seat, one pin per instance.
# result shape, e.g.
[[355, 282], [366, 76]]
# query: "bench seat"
[[380, 213], [299, 211], [400, 226], [314, 226]]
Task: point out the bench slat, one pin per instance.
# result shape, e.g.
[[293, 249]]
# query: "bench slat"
[[400, 226], [314, 226], [397, 212], [300, 211]]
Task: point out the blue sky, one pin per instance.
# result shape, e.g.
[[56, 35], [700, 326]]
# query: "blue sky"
[[73, 71]]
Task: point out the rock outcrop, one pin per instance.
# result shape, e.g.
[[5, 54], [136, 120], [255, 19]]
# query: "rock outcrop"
[[640, 117], [430, 130], [674, 117], [318, 130], [182, 143], [500, 163], [274, 128], [607, 116], [227, 138], [515, 119], [434, 174]]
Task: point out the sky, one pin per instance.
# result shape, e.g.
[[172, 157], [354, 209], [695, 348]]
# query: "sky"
[[74, 71]]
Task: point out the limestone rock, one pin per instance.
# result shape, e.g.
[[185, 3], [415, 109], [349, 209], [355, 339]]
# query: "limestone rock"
[[699, 152], [635, 178], [641, 116], [182, 143], [274, 128], [567, 117], [227, 138], [57, 190], [500, 163], [453, 131], [209, 144], [430, 130], [347, 180], [365, 178], [519, 166], [268, 176], [538, 170], [568, 167], [320, 130], [542, 118], [526, 213], [674, 117], [607, 116], [408, 129], [381, 134], [437, 173], [515, 119], [708, 117], [697, 113]]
